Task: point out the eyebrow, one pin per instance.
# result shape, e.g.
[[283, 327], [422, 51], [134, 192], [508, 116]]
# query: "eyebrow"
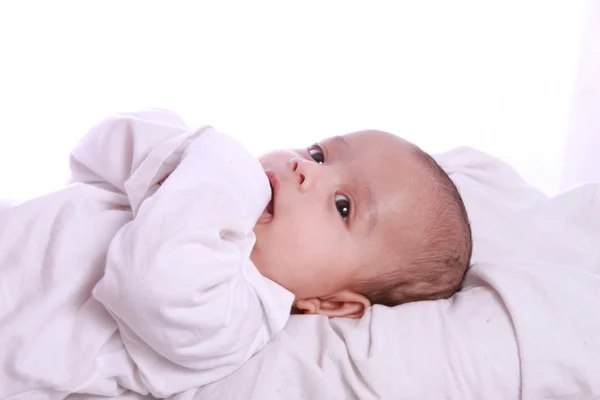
[[340, 140]]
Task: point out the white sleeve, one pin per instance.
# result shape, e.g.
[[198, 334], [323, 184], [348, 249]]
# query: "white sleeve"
[[144, 144], [190, 305]]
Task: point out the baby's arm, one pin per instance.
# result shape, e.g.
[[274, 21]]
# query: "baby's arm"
[[190, 305]]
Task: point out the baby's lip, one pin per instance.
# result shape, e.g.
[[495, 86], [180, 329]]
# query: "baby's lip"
[[269, 211], [274, 182]]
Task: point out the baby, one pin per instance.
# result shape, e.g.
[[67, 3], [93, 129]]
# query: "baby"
[[361, 219], [175, 256]]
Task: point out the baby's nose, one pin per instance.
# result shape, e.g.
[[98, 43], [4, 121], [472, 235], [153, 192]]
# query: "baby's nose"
[[303, 172], [295, 165]]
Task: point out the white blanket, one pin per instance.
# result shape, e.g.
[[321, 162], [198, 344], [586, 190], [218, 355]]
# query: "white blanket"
[[526, 326], [138, 275]]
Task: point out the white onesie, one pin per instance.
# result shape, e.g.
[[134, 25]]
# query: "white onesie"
[[120, 282]]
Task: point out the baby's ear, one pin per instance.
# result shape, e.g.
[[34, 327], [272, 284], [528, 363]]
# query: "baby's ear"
[[344, 304]]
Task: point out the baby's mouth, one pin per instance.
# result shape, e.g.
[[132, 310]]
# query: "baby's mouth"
[[270, 206]]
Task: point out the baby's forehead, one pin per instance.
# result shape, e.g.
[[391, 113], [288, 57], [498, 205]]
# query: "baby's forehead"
[[372, 143], [379, 155]]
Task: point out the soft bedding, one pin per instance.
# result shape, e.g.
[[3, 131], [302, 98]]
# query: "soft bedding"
[[527, 324]]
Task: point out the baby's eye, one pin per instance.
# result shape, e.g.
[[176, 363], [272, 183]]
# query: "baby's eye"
[[317, 154], [343, 206]]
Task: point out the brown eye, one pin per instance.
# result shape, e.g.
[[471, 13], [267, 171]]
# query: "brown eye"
[[343, 206], [317, 154]]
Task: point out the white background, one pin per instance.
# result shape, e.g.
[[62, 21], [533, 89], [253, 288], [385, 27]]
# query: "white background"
[[496, 75]]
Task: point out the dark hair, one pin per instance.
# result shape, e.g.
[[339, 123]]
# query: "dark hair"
[[437, 262]]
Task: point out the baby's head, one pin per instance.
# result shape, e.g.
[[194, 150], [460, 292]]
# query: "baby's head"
[[365, 218]]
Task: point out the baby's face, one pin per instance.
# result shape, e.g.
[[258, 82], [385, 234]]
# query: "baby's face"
[[335, 206]]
